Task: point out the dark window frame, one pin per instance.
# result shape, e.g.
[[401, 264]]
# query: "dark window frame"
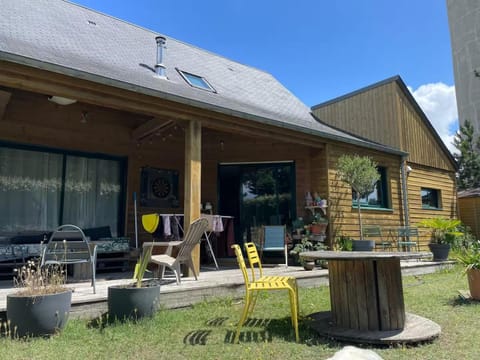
[[431, 200], [382, 192], [185, 75]]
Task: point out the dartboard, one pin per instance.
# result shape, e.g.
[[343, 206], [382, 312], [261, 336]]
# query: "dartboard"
[[161, 187]]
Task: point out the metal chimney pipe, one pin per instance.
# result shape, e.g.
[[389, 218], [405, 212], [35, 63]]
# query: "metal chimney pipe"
[[159, 67]]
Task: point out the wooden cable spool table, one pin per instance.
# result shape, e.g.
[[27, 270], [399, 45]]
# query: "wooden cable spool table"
[[366, 295]]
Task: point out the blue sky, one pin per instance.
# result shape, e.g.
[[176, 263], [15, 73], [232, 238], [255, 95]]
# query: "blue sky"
[[318, 49]]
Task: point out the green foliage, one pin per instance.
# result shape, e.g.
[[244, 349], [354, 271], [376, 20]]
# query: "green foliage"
[[444, 231], [344, 243], [361, 173], [306, 245], [468, 158], [470, 257], [141, 265]]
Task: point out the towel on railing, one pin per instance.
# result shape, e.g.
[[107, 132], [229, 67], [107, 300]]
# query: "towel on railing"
[[167, 231]]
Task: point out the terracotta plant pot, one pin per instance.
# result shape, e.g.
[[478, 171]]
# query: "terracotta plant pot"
[[473, 276], [318, 229]]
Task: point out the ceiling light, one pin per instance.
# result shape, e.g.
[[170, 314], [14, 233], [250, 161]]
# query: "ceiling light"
[[61, 100]]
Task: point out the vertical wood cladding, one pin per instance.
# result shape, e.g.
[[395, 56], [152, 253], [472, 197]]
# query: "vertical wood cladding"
[[386, 115]]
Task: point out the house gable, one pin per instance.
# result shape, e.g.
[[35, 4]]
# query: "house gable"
[[387, 113]]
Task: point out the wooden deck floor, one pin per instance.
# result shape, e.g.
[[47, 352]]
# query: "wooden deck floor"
[[227, 281]]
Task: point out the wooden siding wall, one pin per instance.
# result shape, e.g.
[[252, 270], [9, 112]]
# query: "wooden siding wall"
[[367, 114], [343, 216], [385, 115], [417, 139], [469, 213], [424, 177]]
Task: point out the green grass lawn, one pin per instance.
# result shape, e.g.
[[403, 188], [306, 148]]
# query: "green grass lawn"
[[205, 331]]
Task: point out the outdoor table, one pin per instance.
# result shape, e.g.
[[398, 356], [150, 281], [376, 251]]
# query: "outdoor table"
[[366, 292]]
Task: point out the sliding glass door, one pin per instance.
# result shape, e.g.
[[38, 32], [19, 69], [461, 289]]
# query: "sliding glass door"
[[257, 194]]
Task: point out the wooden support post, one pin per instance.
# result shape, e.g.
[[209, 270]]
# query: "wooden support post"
[[193, 166]]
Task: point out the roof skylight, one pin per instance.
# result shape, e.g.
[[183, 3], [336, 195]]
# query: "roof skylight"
[[196, 81]]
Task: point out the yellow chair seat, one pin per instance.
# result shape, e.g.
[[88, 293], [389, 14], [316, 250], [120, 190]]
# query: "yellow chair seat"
[[264, 283]]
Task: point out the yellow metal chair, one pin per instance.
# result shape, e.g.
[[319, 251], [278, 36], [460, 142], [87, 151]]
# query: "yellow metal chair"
[[252, 288]]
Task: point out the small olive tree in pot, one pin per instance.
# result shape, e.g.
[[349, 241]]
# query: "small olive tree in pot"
[[360, 172]]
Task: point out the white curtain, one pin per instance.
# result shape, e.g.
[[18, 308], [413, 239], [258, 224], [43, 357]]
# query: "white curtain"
[[30, 188], [92, 193], [31, 191]]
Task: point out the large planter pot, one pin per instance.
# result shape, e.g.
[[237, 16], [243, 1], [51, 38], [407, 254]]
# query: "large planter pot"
[[42, 315], [363, 245], [129, 302], [439, 251], [473, 276]]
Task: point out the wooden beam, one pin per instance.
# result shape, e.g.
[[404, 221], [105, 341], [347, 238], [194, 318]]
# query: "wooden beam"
[[193, 177], [41, 81], [4, 100], [150, 127]]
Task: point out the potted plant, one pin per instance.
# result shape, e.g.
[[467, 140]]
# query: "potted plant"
[[444, 233], [138, 299], [306, 245], [344, 243], [319, 225], [298, 225], [470, 258], [41, 305], [360, 172]]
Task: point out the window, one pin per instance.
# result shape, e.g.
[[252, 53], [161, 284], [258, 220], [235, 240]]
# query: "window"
[[196, 81], [430, 198], [41, 189], [378, 197]]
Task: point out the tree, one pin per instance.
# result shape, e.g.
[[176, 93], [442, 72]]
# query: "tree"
[[361, 173], [469, 157]]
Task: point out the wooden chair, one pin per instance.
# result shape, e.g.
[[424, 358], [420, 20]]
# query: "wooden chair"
[[376, 233], [405, 236], [274, 238], [185, 248], [69, 245], [265, 283]]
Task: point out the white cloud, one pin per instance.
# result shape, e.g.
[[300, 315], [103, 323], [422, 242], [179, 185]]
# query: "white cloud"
[[439, 103]]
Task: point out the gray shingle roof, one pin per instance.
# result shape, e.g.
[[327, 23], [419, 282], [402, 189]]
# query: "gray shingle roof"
[[67, 38]]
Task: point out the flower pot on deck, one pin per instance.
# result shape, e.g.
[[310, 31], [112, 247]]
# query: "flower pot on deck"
[[363, 245], [439, 251]]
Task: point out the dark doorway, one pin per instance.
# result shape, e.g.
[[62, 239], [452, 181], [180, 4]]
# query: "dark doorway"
[[257, 194]]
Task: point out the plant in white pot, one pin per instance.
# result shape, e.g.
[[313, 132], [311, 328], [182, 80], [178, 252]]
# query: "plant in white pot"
[[360, 172], [42, 303]]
